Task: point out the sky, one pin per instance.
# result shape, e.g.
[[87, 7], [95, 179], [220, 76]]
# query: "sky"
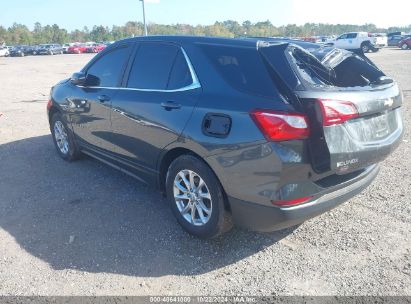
[[75, 14]]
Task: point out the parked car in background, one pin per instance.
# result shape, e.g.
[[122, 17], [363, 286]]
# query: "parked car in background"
[[20, 51], [33, 49], [4, 52], [260, 131], [323, 39], [394, 40], [359, 41], [77, 49], [405, 44], [66, 46], [95, 48], [50, 49]]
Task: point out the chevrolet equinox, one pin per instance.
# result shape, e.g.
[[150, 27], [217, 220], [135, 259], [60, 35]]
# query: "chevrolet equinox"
[[262, 133]]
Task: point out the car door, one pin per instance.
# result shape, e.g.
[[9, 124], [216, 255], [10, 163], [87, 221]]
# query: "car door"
[[351, 41], [91, 103], [341, 42], [152, 110]]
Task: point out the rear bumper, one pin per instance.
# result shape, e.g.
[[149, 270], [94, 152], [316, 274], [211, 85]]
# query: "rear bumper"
[[269, 218]]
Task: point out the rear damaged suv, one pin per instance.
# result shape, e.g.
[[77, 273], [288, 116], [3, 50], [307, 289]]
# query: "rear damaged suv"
[[258, 132]]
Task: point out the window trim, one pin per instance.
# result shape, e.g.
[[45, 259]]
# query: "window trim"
[[194, 85]]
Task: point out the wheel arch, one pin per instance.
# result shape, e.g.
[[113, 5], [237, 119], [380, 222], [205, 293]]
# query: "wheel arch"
[[53, 110], [173, 154]]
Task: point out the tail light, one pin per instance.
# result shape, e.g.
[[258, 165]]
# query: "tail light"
[[49, 104], [280, 126], [294, 202], [336, 111]]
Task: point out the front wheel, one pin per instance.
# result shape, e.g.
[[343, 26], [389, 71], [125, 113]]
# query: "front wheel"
[[63, 139], [404, 46], [196, 198]]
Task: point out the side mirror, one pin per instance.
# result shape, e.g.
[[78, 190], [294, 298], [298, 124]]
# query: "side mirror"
[[78, 78]]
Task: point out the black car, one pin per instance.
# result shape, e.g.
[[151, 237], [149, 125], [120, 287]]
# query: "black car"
[[49, 49], [258, 132], [20, 51]]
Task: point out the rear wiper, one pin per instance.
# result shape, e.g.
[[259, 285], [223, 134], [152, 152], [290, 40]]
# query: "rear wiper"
[[383, 80]]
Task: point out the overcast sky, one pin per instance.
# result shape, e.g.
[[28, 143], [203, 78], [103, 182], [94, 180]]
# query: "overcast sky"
[[74, 14]]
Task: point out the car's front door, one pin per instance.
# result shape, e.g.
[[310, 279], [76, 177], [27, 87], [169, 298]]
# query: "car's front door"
[[155, 105], [341, 42], [91, 102]]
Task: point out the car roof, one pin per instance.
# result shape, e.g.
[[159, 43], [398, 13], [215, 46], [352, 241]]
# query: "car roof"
[[249, 42]]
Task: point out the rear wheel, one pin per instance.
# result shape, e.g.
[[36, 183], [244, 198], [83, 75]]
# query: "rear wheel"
[[63, 139], [365, 47], [196, 198]]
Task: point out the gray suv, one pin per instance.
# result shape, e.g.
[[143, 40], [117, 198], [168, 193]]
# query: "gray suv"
[[262, 133]]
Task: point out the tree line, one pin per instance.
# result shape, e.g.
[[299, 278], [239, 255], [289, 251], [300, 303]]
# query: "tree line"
[[21, 34]]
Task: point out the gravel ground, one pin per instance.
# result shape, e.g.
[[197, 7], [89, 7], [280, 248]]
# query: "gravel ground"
[[85, 229]]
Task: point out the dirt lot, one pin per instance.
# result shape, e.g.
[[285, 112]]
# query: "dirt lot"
[[85, 229]]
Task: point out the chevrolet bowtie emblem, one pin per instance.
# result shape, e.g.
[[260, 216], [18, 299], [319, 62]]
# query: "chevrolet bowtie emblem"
[[389, 102]]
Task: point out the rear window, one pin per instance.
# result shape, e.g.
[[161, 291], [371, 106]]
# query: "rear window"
[[242, 68]]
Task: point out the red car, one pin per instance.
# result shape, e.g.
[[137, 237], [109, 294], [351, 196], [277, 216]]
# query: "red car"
[[405, 44], [95, 48], [77, 49]]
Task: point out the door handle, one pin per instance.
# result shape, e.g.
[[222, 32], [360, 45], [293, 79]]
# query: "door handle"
[[103, 98], [170, 105]]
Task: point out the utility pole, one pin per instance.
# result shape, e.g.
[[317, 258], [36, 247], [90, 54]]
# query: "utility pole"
[[144, 19]]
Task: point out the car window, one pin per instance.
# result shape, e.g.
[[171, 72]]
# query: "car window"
[[152, 66], [242, 68], [351, 35], [180, 76], [107, 70], [343, 36]]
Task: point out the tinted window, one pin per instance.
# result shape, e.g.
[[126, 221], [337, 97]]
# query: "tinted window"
[[351, 36], [343, 36], [180, 76], [242, 68], [152, 65], [106, 71]]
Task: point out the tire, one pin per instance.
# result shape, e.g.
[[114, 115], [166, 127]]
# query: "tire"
[[365, 47], [59, 130], [216, 220], [404, 46], [375, 50]]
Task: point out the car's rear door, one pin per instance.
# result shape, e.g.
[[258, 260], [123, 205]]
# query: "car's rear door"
[[157, 100], [91, 103]]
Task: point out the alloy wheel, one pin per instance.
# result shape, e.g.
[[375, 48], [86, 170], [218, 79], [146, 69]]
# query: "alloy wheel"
[[192, 197], [60, 135]]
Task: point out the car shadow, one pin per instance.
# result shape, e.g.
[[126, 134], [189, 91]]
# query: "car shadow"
[[87, 216]]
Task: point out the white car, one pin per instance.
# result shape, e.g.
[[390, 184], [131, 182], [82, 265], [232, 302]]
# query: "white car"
[[359, 40], [4, 52]]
